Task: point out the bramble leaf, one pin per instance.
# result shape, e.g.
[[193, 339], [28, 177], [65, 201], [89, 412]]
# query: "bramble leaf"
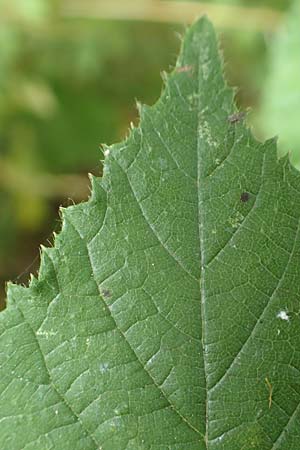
[[166, 316]]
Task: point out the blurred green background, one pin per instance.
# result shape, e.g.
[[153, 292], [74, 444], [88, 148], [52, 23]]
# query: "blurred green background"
[[70, 72]]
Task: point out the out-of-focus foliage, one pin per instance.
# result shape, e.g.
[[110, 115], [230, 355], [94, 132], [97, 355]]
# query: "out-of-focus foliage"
[[66, 86], [274, 4], [280, 110]]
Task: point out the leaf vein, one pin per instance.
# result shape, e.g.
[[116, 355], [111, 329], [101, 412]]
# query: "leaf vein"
[[132, 349], [60, 395], [278, 284]]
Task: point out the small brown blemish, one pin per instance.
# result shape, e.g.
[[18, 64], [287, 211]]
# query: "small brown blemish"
[[270, 387], [237, 117], [245, 196], [184, 69], [106, 293]]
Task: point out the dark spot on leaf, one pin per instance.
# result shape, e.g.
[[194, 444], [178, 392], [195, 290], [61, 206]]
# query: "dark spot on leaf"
[[245, 197], [106, 293], [237, 117]]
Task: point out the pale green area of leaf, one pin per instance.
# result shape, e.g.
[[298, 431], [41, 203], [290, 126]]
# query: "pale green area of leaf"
[[166, 316], [280, 112]]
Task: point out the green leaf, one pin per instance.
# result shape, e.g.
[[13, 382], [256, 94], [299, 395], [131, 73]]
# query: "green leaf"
[[166, 317]]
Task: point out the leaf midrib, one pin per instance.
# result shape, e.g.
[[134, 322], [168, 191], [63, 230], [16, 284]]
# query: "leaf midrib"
[[202, 261]]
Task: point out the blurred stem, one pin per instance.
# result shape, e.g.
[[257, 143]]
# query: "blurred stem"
[[45, 185], [224, 16]]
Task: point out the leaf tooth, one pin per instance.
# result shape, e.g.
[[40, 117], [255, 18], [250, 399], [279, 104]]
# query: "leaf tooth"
[[96, 188], [180, 36], [46, 255], [140, 107], [165, 76], [106, 150], [32, 280]]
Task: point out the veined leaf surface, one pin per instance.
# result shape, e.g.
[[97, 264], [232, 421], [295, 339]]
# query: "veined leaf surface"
[[166, 316]]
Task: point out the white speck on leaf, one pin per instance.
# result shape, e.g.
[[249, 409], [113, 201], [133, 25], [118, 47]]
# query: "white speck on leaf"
[[283, 315], [46, 334], [205, 134], [107, 152]]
